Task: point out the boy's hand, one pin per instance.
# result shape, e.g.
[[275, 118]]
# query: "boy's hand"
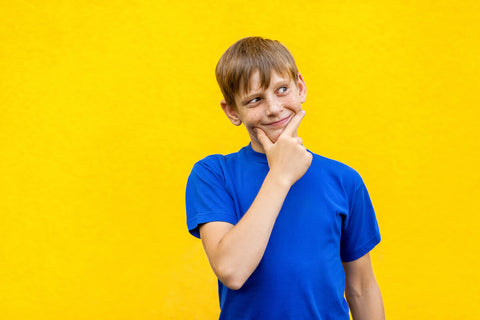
[[287, 158]]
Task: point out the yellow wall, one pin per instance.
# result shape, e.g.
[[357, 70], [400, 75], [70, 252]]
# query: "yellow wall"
[[106, 105]]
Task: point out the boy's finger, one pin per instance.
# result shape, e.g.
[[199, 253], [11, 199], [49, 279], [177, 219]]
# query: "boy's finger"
[[262, 137], [292, 126]]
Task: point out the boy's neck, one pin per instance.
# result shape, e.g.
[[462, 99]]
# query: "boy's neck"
[[257, 147]]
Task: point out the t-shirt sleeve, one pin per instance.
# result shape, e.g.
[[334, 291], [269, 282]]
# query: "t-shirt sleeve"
[[360, 232], [206, 197]]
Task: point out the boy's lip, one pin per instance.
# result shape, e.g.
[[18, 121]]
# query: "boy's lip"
[[280, 122]]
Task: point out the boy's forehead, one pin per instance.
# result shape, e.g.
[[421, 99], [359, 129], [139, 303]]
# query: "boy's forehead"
[[254, 83]]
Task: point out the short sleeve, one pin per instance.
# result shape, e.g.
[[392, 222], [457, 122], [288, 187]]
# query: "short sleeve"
[[360, 232], [206, 197]]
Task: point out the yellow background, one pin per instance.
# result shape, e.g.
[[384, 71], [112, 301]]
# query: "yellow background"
[[106, 105]]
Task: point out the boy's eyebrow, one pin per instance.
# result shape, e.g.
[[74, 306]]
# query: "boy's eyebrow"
[[250, 95], [246, 97]]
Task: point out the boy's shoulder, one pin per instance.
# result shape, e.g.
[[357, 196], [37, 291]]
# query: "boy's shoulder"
[[332, 163], [216, 159], [244, 155], [211, 163], [215, 164], [336, 169]]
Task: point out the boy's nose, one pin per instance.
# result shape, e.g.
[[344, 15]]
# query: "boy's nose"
[[272, 107]]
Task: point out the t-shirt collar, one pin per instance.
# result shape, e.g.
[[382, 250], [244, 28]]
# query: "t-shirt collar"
[[254, 155]]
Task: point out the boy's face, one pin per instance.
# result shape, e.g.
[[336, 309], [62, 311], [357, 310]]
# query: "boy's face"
[[269, 109]]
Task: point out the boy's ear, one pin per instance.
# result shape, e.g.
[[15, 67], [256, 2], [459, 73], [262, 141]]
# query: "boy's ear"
[[231, 113], [302, 88]]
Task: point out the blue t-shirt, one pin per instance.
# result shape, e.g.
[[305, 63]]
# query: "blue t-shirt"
[[326, 218]]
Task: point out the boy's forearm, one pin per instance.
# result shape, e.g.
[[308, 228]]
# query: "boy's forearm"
[[239, 252], [366, 305]]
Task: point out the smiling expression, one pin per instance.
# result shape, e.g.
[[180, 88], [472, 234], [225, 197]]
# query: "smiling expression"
[[269, 109]]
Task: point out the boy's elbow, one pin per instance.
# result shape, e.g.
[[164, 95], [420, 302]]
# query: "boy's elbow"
[[233, 284], [231, 278]]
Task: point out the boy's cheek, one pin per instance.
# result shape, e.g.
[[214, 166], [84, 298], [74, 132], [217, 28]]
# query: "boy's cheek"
[[252, 133], [254, 136]]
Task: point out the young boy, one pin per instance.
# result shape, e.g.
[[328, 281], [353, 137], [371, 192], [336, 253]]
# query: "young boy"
[[287, 232]]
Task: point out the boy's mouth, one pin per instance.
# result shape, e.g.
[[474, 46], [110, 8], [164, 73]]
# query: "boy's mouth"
[[280, 122]]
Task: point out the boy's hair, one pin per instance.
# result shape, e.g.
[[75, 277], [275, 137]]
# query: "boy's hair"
[[245, 57]]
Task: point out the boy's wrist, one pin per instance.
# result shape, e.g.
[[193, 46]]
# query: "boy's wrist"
[[278, 180]]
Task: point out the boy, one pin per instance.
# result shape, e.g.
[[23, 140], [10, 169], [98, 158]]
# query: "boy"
[[287, 232]]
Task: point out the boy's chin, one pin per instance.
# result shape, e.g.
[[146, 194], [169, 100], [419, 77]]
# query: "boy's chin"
[[274, 138], [274, 134]]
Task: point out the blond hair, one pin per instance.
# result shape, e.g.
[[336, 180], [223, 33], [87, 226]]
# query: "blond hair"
[[245, 57]]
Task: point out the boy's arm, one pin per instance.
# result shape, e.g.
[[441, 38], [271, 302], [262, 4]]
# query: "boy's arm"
[[362, 291], [234, 251]]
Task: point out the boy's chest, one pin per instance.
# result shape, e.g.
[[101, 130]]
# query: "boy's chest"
[[311, 214]]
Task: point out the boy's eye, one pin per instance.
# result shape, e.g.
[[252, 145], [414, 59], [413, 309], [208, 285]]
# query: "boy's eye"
[[282, 89], [254, 100]]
